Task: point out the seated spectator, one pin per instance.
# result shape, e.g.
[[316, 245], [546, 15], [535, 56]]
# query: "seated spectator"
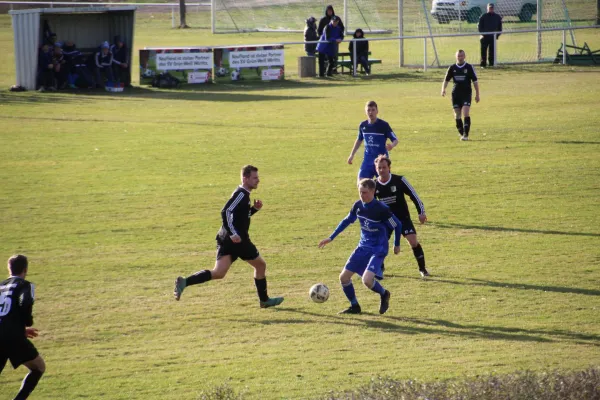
[[332, 36], [79, 74], [121, 61], [104, 60], [310, 35], [45, 76], [60, 66], [362, 51]]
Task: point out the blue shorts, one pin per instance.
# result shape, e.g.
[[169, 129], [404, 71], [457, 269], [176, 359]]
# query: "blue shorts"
[[367, 170], [363, 259]]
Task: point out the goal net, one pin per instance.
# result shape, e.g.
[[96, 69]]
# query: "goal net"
[[290, 15]]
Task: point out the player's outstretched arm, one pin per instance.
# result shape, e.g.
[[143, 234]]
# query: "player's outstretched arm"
[[357, 144]]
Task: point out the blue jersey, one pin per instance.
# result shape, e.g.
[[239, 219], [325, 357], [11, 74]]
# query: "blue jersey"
[[376, 220], [375, 137]]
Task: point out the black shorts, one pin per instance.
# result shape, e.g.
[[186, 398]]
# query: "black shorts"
[[18, 351], [246, 250], [460, 100], [408, 228]]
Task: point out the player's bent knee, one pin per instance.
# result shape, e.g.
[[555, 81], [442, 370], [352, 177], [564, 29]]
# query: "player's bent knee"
[[368, 281], [37, 364]]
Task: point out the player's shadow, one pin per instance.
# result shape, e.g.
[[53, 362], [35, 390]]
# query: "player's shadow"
[[412, 326], [518, 286], [447, 225]]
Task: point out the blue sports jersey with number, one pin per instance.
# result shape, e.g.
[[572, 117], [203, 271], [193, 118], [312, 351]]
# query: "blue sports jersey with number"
[[376, 220], [375, 137]]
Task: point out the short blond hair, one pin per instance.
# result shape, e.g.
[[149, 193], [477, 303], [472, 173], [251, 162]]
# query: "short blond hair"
[[367, 183]]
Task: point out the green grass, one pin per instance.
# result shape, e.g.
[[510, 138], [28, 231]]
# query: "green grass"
[[112, 197]]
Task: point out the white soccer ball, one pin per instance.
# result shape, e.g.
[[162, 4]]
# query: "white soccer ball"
[[148, 73], [221, 71], [235, 75], [319, 293]]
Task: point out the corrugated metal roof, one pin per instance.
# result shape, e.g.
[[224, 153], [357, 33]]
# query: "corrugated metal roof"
[[72, 10]]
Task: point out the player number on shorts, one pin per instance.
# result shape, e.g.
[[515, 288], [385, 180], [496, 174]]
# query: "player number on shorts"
[[5, 303]]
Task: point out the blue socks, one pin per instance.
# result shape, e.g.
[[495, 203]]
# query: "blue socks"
[[349, 292], [377, 288]]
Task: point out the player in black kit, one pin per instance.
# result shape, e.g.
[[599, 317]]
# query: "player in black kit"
[[390, 189], [16, 303], [233, 242], [462, 73]]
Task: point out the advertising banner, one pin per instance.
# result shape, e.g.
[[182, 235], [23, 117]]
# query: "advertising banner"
[[191, 65], [232, 64]]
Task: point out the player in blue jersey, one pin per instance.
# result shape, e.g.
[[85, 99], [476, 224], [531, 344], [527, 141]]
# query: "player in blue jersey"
[[376, 220], [374, 132]]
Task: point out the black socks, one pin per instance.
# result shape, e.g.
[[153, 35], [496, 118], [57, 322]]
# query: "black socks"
[[198, 277], [261, 288], [29, 383], [459, 126], [419, 255], [467, 125]]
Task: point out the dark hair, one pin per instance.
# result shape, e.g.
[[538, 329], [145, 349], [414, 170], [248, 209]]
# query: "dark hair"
[[383, 157], [247, 170], [371, 103], [17, 264], [367, 184]]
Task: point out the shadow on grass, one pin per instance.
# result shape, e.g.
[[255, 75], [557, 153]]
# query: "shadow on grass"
[[408, 326], [505, 229], [416, 326], [520, 286]]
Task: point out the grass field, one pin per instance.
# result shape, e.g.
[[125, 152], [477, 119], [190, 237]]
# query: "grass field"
[[112, 197]]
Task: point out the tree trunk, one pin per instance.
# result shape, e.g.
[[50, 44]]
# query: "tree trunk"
[[182, 24]]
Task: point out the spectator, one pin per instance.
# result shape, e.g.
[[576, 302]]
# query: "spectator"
[[79, 74], [45, 69], [489, 22], [362, 51], [61, 69], [120, 61], [332, 36], [104, 61], [329, 13], [310, 35]]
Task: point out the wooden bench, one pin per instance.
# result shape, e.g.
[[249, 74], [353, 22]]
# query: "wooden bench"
[[347, 63]]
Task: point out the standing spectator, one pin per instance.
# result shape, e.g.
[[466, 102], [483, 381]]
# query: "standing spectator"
[[104, 61], [489, 22], [362, 51], [121, 61], [45, 69], [329, 13], [310, 35], [332, 36], [61, 69]]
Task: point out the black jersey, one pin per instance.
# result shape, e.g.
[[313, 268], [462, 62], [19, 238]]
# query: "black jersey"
[[16, 303], [462, 75], [236, 215], [392, 193]]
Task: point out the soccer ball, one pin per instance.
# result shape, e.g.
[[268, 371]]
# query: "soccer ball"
[[148, 73], [235, 75], [221, 71], [319, 293]]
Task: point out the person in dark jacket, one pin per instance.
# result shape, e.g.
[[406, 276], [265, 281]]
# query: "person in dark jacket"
[[45, 69], [489, 22], [61, 69], [324, 22], [310, 35], [332, 36], [362, 51], [120, 61], [79, 73], [103, 64]]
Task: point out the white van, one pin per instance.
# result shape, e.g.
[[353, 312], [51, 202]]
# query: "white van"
[[445, 11]]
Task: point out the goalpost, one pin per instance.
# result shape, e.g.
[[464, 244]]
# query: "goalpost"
[[420, 18]]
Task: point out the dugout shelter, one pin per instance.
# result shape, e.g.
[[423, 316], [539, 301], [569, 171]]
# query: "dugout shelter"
[[86, 26]]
